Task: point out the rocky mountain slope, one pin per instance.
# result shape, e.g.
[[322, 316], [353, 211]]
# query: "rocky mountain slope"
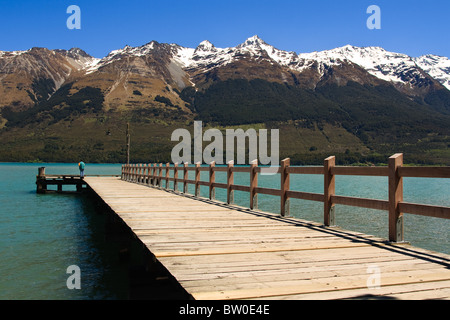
[[386, 101]]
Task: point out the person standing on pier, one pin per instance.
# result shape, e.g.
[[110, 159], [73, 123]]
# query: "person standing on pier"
[[81, 166]]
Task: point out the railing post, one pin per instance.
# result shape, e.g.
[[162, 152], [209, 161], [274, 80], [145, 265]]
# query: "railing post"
[[185, 177], [395, 196], [284, 200], [167, 175], [212, 179], [329, 190], [175, 176], [151, 174], [160, 175], [230, 181], [143, 175], [197, 179], [253, 185]]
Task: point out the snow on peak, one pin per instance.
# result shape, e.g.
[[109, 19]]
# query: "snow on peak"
[[205, 46], [254, 41], [377, 61], [8, 54], [385, 65], [437, 67]]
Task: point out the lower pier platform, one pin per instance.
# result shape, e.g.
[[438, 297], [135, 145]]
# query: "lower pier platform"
[[42, 183]]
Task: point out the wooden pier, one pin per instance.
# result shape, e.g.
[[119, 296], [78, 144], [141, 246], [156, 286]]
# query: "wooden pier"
[[217, 250], [58, 180]]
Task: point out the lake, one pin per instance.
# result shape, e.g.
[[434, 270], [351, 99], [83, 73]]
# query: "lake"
[[41, 235]]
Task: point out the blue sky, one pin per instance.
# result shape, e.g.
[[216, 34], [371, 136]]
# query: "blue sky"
[[412, 27]]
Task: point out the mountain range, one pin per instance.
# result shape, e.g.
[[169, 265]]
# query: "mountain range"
[[361, 102]]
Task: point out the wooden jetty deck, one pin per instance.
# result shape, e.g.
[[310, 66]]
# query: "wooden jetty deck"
[[222, 251]]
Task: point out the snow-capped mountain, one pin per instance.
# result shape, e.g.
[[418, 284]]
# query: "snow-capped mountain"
[[396, 68], [388, 66], [153, 67]]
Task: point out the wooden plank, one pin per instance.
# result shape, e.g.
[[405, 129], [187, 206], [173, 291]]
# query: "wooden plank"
[[305, 195], [361, 202], [276, 267], [330, 256], [223, 279], [424, 172], [305, 170], [240, 188], [384, 292], [320, 285], [220, 169], [219, 185], [269, 191], [361, 171], [241, 169], [425, 210], [232, 249]]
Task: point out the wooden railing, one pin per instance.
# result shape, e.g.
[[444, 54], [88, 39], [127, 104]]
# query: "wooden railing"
[[155, 174]]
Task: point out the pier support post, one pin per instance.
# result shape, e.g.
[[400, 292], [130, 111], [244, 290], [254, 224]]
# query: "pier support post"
[[175, 176], [197, 179], [284, 200], [167, 174], [253, 185], [185, 177], [329, 190], [395, 196], [151, 174], [160, 169], [41, 185], [230, 181], [212, 179]]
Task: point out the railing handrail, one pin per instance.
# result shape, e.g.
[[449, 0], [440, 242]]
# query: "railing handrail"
[[152, 174]]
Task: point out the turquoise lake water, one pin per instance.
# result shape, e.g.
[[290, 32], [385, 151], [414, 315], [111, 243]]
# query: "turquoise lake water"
[[42, 235]]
